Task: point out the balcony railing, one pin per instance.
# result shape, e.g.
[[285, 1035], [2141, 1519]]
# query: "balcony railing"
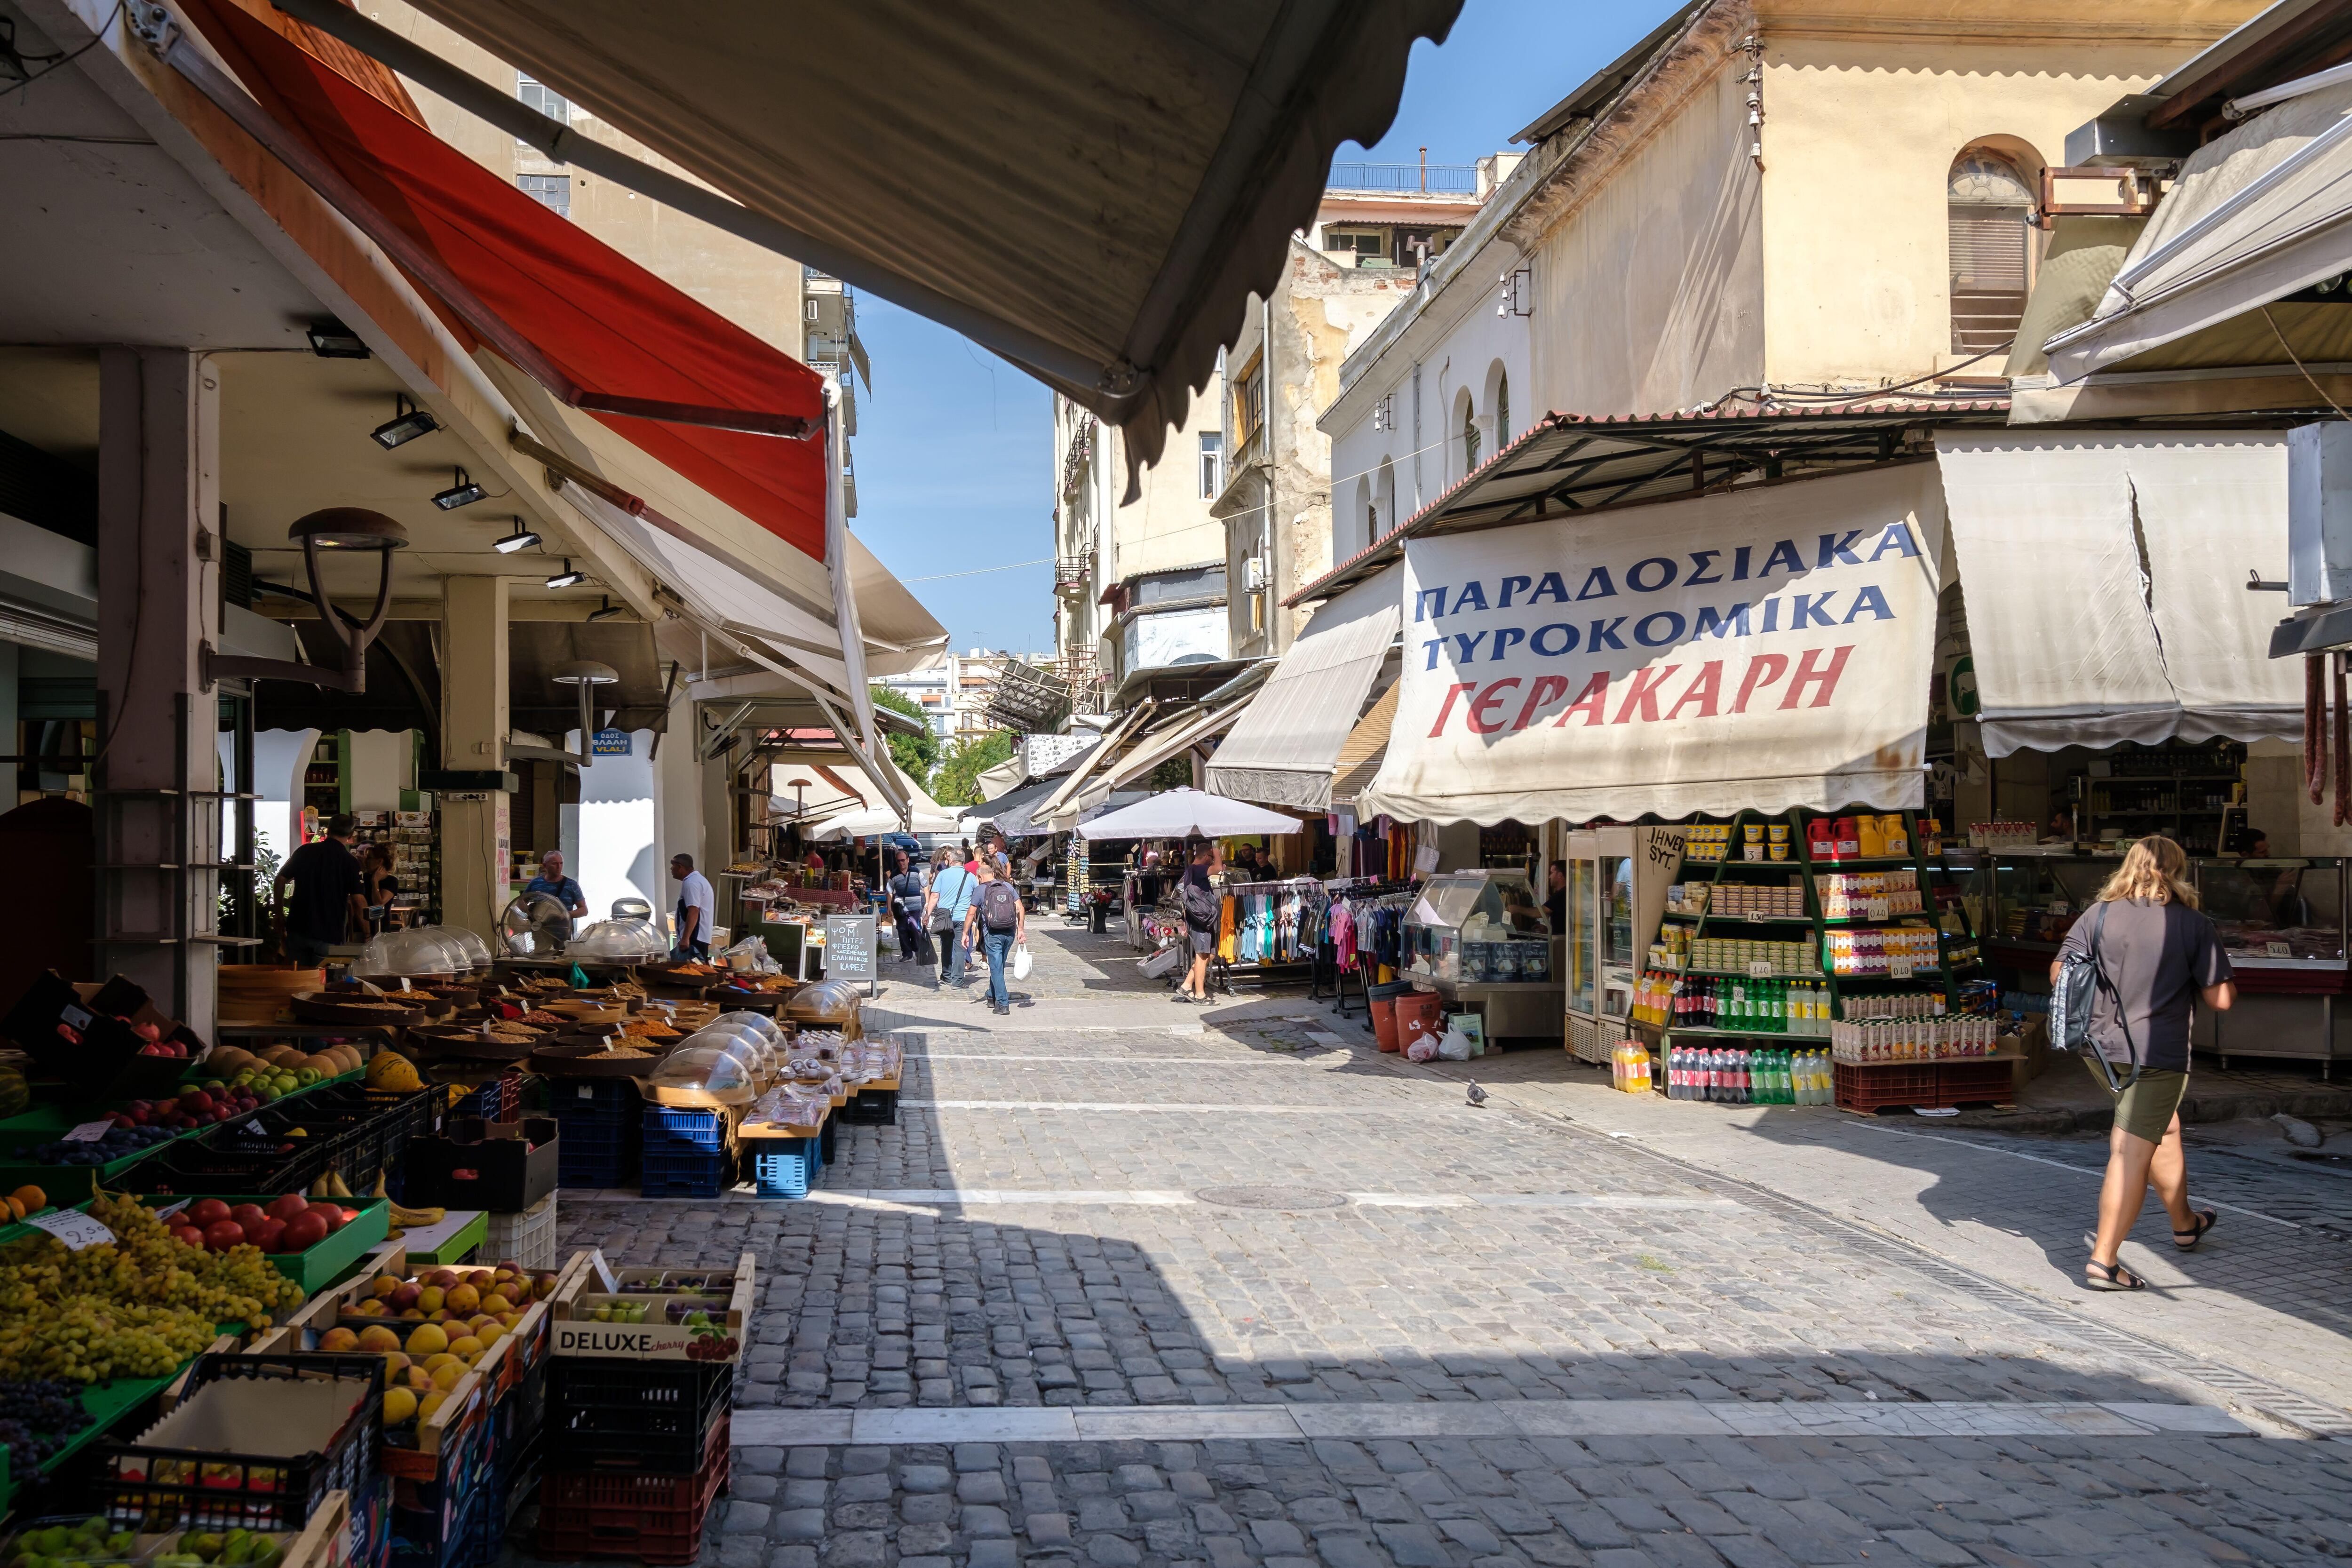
[[1442, 179], [1072, 573]]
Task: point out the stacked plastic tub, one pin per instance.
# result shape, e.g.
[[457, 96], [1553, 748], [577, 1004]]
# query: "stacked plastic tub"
[[600, 1130], [697, 1091]]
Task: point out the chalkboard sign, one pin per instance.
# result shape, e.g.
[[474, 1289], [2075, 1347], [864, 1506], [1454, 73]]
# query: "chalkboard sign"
[[849, 948]]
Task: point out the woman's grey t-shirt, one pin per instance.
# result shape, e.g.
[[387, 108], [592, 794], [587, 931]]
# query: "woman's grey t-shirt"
[[2159, 957]]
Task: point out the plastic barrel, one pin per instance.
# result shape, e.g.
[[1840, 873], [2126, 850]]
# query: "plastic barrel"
[[1418, 1013], [1384, 1020]]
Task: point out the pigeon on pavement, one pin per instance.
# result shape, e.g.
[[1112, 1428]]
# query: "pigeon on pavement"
[[1477, 1095]]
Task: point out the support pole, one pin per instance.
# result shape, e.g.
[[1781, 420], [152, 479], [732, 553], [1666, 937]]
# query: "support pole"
[[476, 827]]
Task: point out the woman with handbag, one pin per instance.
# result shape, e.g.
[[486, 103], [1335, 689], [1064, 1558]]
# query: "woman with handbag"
[[952, 891], [2155, 957]]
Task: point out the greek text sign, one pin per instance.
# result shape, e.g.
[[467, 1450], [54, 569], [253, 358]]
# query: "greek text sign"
[[1766, 648]]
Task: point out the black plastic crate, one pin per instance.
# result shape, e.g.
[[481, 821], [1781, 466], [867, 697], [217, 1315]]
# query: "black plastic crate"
[[157, 1488], [198, 1165], [607, 1098], [650, 1417], [872, 1106]]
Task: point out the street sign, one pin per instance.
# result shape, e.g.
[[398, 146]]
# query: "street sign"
[[610, 744]]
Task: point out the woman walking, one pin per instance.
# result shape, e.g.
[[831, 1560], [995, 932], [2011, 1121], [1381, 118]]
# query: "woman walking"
[[2161, 958]]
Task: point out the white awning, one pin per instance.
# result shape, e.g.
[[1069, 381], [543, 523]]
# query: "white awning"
[[1767, 647], [1283, 749], [2105, 575], [2256, 214], [1172, 739], [1366, 748]]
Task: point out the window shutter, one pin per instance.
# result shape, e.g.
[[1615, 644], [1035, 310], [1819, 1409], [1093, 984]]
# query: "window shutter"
[[1987, 250]]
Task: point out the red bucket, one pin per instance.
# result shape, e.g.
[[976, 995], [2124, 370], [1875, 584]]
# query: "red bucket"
[[1419, 1013]]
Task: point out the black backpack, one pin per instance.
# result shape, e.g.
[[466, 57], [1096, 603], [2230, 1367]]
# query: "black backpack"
[[999, 906], [2081, 978]]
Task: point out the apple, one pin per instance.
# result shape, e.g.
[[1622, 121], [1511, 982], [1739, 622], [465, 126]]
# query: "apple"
[[205, 1213], [197, 1102], [222, 1234], [332, 1216], [266, 1233], [248, 1214], [188, 1235]]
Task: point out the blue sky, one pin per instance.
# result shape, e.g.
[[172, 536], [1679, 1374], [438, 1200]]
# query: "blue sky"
[[954, 448]]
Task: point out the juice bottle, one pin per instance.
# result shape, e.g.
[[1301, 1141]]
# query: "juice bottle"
[[1640, 1070]]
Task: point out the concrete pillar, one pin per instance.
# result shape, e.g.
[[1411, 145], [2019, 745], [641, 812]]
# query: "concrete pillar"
[[678, 806], [158, 602], [475, 836]]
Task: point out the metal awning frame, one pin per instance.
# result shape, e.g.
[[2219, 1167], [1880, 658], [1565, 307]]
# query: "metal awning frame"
[[1574, 464]]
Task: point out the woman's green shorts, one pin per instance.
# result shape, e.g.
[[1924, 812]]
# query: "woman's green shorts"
[[2150, 1096]]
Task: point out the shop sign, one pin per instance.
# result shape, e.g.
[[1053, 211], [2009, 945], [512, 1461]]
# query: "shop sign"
[[1765, 648], [610, 744]]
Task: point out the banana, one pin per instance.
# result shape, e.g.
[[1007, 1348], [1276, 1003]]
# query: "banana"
[[336, 1188], [412, 1218]]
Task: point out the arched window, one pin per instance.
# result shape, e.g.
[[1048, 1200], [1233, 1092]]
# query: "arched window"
[[1502, 412], [1991, 227], [1469, 435], [1368, 517], [1384, 501]]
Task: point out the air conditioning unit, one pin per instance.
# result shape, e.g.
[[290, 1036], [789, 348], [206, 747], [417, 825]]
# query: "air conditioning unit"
[[1254, 576]]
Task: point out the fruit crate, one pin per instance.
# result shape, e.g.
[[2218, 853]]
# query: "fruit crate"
[[435, 1520], [704, 1130], [1878, 1086], [871, 1108], [198, 1165], [528, 1237], [493, 1099], [683, 1170], [655, 1518], [787, 1167], [649, 1417], [150, 1486], [596, 1156], [317, 1267]]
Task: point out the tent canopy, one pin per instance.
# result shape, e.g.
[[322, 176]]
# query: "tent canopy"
[[2105, 578], [608, 336], [1092, 188], [1186, 812], [1282, 750]]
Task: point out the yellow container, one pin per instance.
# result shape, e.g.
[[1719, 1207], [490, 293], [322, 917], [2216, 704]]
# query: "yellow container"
[[1873, 836]]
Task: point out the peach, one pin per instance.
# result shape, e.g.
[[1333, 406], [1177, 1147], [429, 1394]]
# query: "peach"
[[376, 1338], [464, 1298], [339, 1339]]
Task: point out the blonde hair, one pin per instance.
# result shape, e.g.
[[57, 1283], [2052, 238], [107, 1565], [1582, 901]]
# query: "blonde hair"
[[2155, 869]]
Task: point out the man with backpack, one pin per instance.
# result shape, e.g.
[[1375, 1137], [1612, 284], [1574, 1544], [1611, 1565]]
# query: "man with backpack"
[[997, 920], [906, 890]]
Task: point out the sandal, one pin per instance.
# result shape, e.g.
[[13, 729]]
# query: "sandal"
[[2188, 1240], [2098, 1276]]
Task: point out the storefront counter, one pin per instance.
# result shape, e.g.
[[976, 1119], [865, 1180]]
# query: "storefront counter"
[[1481, 941]]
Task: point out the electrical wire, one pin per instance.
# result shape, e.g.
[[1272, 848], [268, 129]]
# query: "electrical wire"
[[2298, 364], [1766, 394], [977, 571], [58, 62]]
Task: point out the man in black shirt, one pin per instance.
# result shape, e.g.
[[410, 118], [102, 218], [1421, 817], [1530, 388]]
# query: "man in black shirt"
[[1556, 901], [330, 894]]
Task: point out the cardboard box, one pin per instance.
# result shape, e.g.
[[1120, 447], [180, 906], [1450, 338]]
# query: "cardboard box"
[[502, 1166], [727, 1299], [104, 1062]]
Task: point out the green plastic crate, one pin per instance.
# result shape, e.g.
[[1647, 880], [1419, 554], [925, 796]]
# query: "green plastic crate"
[[452, 1249], [324, 1263]]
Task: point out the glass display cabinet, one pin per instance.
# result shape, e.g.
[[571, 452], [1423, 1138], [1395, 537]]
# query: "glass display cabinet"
[[1482, 942]]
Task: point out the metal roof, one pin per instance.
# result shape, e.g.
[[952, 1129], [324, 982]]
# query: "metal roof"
[[1573, 463]]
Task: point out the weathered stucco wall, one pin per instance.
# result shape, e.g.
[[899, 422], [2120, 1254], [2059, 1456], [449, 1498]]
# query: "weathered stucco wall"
[[1648, 274], [1866, 105]]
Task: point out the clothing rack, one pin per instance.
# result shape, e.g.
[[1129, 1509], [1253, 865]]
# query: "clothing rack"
[[1312, 894], [1363, 894]]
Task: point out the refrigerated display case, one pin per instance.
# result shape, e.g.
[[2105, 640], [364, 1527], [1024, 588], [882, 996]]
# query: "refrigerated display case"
[[1482, 942], [1578, 962], [1617, 879]]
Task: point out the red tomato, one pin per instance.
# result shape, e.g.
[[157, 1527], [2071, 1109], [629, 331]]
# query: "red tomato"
[[222, 1234], [292, 1206], [332, 1216], [301, 1233], [206, 1212]]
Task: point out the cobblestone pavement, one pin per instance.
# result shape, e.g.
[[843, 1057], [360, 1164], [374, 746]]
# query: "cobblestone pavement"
[[1269, 1215]]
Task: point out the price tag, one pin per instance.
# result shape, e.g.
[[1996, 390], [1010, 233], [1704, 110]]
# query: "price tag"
[[78, 1017], [76, 1229], [2270, 949], [403, 983], [587, 1091], [605, 1281], [88, 1132], [167, 1212], [1880, 909], [1898, 969], [1760, 968]]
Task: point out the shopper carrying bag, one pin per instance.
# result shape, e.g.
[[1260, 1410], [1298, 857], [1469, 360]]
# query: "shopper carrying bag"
[[2124, 987], [951, 897], [907, 899], [997, 921]]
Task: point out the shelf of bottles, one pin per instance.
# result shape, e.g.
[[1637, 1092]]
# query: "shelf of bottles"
[[1783, 928]]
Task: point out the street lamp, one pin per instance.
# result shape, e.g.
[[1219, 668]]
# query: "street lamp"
[[335, 528], [585, 675]]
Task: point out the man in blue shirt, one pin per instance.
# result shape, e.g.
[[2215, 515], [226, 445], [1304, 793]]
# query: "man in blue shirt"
[[551, 881]]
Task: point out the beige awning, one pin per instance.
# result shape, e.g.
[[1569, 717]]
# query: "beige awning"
[[1172, 739], [1092, 188], [1282, 749], [2256, 214], [1365, 749]]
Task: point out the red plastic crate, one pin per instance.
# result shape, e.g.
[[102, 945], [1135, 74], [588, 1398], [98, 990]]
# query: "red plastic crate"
[[1968, 1083], [657, 1520], [1880, 1085]]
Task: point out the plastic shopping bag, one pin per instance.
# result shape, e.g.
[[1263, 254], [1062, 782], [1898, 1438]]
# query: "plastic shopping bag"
[[1422, 1048], [1453, 1047], [1162, 963], [1021, 962]]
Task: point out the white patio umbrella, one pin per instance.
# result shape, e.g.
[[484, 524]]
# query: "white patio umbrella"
[[1187, 814]]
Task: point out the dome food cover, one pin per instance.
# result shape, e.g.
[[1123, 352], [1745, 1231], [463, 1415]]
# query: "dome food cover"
[[759, 1041], [411, 954], [469, 943], [826, 1001], [535, 925], [720, 1074], [619, 942]]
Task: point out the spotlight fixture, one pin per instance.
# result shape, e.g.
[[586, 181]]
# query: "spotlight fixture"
[[520, 539], [407, 423], [462, 491], [583, 675], [330, 339], [609, 610], [567, 578]]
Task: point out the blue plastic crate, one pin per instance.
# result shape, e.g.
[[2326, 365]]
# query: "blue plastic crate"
[[787, 1172], [612, 1098], [704, 1130], [682, 1170], [596, 1138], [582, 1168]]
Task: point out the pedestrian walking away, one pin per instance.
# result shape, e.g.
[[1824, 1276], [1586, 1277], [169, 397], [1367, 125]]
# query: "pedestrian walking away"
[[698, 906], [952, 888], [997, 921], [2155, 957]]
